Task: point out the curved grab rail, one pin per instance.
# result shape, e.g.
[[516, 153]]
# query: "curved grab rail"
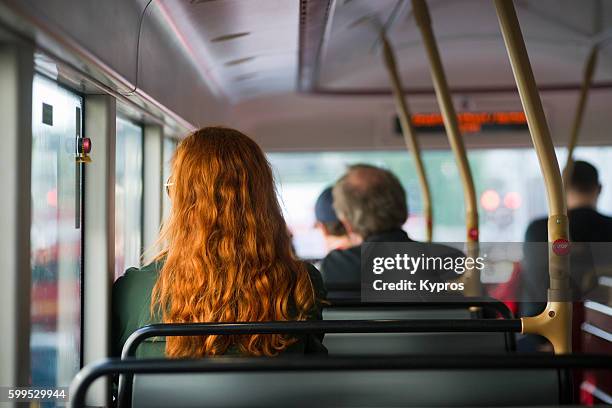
[[587, 79], [308, 327], [532, 104], [471, 278], [91, 372], [555, 322], [410, 137], [423, 20], [319, 326]]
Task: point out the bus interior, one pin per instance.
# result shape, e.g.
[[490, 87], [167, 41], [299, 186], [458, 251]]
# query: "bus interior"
[[479, 107]]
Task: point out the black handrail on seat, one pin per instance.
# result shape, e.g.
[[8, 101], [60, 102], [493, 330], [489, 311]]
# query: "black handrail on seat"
[[91, 372], [306, 327], [319, 326]]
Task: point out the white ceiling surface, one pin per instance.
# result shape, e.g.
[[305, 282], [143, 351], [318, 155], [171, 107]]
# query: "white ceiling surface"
[[558, 34], [270, 49], [180, 61]]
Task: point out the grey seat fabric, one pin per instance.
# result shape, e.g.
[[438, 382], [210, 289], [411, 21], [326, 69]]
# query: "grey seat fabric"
[[408, 343], [393, 312], [356, 388]]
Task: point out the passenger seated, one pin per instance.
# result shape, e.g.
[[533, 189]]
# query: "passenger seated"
[[329, 225], [371, 204], [226, 257], [586, 224]]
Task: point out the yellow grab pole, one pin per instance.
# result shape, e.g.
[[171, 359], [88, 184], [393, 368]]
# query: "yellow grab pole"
[[587, 79], [421, 14], [471, 278], [410, 137], [555, 322]]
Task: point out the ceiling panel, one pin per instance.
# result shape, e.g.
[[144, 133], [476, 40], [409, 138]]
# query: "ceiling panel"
[[250, 48], [558, 34], [247, 47]]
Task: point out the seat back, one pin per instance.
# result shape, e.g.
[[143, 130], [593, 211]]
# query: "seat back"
[[355, 388], [409, 343]]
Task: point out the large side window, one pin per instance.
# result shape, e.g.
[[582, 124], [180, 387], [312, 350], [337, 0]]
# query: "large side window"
[[56, 235], [169, 148], [509, 188], [128, 196]]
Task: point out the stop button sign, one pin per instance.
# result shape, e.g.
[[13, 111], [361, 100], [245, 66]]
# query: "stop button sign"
[[561, 246]]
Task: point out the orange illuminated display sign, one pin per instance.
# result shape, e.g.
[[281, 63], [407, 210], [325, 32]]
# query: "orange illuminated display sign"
[[472, 122]]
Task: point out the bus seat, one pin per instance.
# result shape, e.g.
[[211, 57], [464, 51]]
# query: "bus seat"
[[409, 343], [365, 312], [355, 388]]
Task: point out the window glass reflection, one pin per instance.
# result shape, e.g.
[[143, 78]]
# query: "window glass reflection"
[[128, 196], [55, 238]]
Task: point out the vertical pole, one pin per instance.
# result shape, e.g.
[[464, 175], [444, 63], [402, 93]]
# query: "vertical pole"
[[555, 322], [16, 76], [587, 79], [410, 137], [471, 277], [99, 249]]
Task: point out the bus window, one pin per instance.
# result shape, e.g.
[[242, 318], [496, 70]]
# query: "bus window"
[[55, 341], [169, 148], [509, 188], [128, 196]]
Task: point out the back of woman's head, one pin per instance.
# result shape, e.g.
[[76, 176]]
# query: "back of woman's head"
[[227, 256]]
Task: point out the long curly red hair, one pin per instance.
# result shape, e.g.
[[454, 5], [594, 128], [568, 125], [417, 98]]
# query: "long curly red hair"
[[226, 254]]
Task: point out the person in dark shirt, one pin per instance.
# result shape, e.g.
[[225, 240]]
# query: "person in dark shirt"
[[586, 225], [371, 203]]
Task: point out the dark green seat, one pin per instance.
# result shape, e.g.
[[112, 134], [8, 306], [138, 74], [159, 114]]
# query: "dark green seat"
[[409, 343], [355, 388]]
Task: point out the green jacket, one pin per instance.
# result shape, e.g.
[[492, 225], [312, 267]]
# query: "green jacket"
[[131, 310]]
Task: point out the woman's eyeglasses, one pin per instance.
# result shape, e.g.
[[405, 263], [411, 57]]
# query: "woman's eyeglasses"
[[167, 185]]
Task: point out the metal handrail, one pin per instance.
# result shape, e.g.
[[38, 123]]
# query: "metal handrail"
[[555, 322], [423, 20], [408, 131], [307, 327], [91, 372], [319, 326], [471, 278]]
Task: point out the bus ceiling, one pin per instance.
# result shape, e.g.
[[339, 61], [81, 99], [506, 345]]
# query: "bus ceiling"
[[272, 63]]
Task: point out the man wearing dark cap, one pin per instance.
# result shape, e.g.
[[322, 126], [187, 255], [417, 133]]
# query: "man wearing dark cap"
[[331, 228]]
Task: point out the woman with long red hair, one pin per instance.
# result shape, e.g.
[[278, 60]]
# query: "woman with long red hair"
[[226, 257]]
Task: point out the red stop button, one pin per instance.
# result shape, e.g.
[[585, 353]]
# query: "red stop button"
[[473, 234], [561, 246]]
